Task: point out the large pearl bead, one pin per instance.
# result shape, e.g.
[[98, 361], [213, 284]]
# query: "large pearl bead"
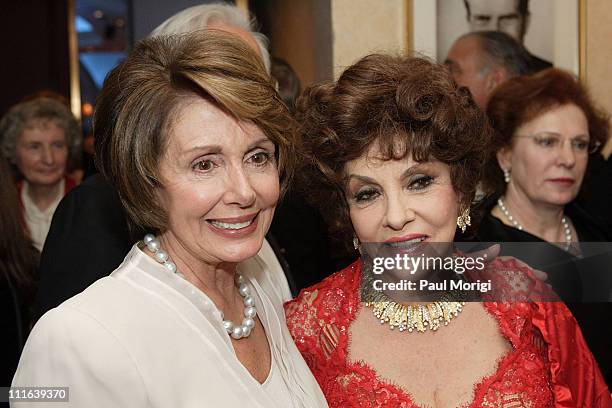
[[237, 332], [246, 331], [161, 256], [249, 301], [170, 266], [244, 290], [250, 312], [228, 326], [148, 238], [153, 246], [248, 322]]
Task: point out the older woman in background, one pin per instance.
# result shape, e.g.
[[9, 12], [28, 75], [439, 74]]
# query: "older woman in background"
[[546, 130], [393, 155], [38, 137], [196, 141]]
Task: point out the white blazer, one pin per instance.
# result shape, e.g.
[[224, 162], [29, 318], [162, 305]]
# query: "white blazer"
[[143, 337]]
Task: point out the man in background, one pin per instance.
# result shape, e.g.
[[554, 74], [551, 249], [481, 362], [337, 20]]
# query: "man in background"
[[482, 60], [509, 16]]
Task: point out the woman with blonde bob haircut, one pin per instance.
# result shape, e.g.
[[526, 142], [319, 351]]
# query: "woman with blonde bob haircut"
[[195, 139]]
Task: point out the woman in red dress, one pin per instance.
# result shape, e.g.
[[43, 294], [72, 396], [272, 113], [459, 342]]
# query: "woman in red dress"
[[394, 152]]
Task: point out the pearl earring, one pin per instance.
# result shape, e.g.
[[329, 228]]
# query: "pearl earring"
[[506, 175]]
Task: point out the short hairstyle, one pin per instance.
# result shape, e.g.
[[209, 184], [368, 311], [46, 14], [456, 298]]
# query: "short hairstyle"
[[522, 99], [522, 7], [500, 49], [200, 17], [34, 113], [143, 95], [409, 106]]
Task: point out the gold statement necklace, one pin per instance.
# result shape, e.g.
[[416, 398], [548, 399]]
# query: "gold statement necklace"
[[419, 317]]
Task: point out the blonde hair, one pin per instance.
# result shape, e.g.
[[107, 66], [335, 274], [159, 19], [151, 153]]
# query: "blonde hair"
[[142, 96]]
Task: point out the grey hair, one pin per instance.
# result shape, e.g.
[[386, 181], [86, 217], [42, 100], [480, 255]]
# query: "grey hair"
[[199, 17], [29, 114], [500, 49]]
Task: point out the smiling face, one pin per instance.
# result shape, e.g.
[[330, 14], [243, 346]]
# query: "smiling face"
[[549, 156], [401, 200], [220, 184], [42, 154]]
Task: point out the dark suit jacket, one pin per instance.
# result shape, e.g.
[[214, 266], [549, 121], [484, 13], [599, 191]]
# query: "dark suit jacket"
[[87, 240]]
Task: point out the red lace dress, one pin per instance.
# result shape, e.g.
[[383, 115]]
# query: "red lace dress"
[[549, 363]]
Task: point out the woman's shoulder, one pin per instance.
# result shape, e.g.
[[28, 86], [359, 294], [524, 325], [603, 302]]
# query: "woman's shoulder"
[[71, 347]]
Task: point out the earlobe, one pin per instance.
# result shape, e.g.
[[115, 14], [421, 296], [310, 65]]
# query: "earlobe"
[[495, 78], [504, 158]]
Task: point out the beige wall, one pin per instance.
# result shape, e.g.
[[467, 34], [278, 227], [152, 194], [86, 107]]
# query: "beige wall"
[[361, 27], [598, 73], [291, 29], [319, 38]]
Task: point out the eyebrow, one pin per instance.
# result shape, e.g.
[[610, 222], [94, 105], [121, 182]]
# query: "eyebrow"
[[216, 149], [368, 180], [560, 135], [509, 16]]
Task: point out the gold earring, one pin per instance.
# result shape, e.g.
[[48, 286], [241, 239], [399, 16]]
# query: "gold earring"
[[464, 220]]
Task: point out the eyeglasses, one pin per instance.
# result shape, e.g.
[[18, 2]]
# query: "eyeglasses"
[[551, 141]]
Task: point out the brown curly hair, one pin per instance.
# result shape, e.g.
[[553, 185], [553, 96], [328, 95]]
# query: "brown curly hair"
[[522, 99], [409, 106]]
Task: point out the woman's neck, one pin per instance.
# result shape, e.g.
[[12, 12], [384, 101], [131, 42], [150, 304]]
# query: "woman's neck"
[[44, 195], [214, 279], [541, 220]]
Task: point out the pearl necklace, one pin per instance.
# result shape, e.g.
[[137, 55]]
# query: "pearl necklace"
[[566, 228], [237, 331]]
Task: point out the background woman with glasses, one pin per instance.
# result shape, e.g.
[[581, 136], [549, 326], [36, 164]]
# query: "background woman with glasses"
[[546, 131], [546, 127]]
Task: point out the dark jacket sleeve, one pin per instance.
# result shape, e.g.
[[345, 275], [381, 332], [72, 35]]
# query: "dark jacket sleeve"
[[87, 240]]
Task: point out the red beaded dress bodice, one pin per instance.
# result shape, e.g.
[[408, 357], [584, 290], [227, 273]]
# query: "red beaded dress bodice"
[[319, 320]]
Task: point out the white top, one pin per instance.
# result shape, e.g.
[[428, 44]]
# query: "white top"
[[277, 389], [38, 221], [143, 337]]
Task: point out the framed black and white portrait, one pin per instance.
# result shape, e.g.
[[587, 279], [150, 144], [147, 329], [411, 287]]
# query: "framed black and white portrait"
[[549, 29]]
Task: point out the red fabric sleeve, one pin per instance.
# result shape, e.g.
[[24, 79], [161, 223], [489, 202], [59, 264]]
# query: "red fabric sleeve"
[[576, 379]]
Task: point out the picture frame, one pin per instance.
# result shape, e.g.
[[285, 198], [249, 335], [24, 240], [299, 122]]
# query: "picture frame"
[[555, 30]]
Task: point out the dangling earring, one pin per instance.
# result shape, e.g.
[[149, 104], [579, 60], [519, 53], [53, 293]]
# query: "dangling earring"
[[356, 244], [464, 220], [506, 175]]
